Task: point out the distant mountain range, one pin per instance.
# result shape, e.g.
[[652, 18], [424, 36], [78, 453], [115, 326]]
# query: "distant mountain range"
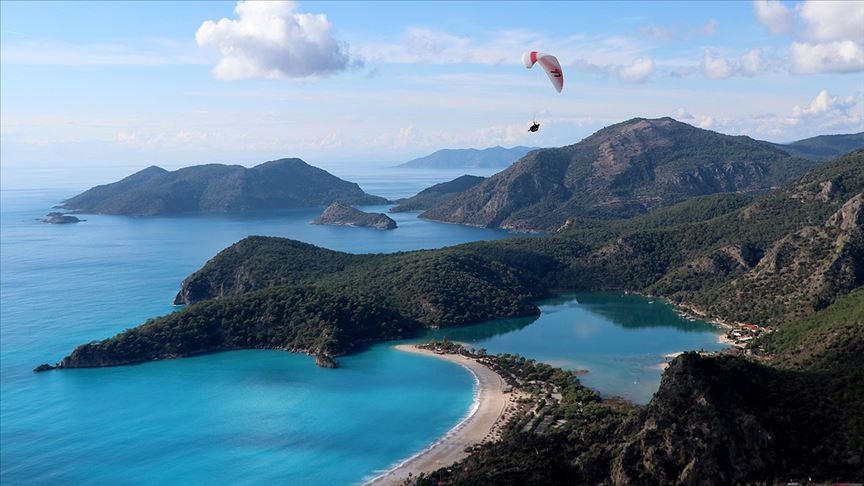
[[824, 147], [437, 194], [620, 171], [284, 183], [489, 158]]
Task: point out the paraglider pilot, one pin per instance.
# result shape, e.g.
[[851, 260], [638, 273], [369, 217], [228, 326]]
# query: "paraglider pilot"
[[534, 127]]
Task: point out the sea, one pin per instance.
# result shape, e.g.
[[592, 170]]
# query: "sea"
[[254, 417]]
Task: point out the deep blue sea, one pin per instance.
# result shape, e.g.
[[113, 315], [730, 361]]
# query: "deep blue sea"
[[251, 417]]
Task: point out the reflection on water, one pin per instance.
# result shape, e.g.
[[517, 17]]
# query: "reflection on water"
[[621, 339]]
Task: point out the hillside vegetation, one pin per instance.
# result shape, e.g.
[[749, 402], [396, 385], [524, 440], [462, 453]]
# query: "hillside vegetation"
[[739, 264], [621, 171]]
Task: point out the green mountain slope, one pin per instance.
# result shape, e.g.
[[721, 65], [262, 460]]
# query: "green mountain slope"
[[620, 171]]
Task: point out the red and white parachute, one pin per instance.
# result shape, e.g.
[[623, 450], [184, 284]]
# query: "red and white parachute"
[[549, 64]]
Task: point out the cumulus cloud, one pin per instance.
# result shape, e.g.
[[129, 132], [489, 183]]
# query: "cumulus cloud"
[[636, 72], [828, 110], [774, 15], [269, 40], [716, 67], [830, 37], [826, 21], [752, 62], [829, 57]]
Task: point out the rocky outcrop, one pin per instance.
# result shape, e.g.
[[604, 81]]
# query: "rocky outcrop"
[[342, 214], [325, 361], [60, 218], [620, 171], [284, 183]]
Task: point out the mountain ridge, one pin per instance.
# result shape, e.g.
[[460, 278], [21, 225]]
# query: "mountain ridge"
[[619, 171], [277, 184]]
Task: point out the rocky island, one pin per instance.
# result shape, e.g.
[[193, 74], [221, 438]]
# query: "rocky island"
[[217, 188], [60, 218], [344, 215]]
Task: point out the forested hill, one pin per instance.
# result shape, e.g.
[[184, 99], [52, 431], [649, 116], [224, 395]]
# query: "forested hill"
[[488, 158], [824, 147], [284, 183], [621, 171]]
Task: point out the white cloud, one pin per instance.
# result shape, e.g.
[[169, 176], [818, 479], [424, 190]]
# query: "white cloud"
[[716, 67], [829, 57], [636, 72], [826, 21], [752, 62], [269, 40], [830, 38], [774, 15], [825, 104]]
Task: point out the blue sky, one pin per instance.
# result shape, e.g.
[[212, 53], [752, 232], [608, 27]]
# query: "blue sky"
[[176, 84]]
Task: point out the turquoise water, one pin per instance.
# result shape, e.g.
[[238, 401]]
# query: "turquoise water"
[[238, 417], [621, 339], [252, 416]]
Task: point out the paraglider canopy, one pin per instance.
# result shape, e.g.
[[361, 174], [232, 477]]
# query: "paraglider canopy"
[[549, 64]]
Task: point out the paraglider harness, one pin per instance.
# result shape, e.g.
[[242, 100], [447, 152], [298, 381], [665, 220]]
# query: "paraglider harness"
[[534, 127]]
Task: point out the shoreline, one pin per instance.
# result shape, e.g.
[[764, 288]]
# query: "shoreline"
[[479, 425]]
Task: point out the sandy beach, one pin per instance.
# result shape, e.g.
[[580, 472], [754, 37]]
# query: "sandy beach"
[[492, 406]]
